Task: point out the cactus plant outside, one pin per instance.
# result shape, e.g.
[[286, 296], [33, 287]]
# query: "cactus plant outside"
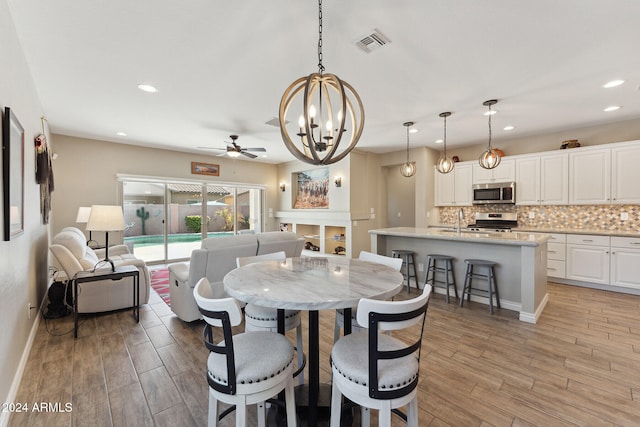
[[143, 215]]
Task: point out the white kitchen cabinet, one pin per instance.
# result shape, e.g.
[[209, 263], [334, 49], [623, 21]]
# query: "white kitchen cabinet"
[[589, 176], [554, 179], [505, 172], [542, 180], [454, 188], [588, 258], [557, 256], [528, 180], [625, 174], [625, 262]]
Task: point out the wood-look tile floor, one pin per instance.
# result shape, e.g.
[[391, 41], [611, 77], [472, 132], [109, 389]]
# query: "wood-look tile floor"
[[580, 365]]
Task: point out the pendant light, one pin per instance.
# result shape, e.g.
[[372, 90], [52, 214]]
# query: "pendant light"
[[327, 108], [408, 168], [445, 164], [490, 158]]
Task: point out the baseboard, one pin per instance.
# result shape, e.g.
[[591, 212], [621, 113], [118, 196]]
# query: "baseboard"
[[17, 378]]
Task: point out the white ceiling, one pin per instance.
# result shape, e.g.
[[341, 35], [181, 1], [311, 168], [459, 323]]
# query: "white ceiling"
[[221, 67]]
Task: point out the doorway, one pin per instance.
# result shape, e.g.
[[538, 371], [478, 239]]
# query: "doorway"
[[401, 199]]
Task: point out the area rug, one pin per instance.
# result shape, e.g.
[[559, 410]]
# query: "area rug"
[[160, 284]]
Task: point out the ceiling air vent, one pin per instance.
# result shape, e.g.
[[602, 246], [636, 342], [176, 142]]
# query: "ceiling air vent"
[[276, 122], [372, 41]]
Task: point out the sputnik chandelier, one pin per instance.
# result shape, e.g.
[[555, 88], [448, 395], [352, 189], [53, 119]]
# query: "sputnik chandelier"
[[408, 168], [330, 114], [445, 164], [490, 158]]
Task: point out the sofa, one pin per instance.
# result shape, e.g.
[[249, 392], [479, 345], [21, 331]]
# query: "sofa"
[[71, 255], [215, 258]]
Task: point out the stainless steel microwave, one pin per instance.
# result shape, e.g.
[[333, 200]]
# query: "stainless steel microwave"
[[495, 192]]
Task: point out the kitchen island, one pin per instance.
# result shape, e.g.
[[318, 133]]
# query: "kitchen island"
[[522, 260]]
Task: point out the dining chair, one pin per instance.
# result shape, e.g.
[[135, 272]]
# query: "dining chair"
[[376, 370], [395, 263], [239, 371], [258, 318]]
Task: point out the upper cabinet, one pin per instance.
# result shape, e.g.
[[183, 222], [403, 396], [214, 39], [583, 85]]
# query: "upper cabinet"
[[505, 172], [625, 174], [542, 180], [454, 188], [590, 176]]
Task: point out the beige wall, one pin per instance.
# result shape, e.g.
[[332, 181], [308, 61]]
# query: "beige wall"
[[86, 172], [594, 135], [23, 261]]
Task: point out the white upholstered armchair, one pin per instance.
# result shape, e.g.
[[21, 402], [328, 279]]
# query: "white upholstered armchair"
[[71, 255]]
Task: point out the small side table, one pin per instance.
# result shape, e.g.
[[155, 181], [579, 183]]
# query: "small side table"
[[120, 273]]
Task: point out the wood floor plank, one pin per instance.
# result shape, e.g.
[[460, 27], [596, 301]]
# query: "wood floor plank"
[[159, 389], [129, 407], [577, 366]]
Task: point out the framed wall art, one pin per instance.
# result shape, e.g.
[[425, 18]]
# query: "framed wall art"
[[12, 175], [205, 169], [313, 186]]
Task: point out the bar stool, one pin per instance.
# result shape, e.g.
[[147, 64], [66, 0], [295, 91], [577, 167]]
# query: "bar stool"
[[446, 268], [490, 277], [408, 260]]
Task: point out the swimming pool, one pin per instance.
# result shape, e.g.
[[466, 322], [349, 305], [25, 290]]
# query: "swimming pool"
[[158, 239]]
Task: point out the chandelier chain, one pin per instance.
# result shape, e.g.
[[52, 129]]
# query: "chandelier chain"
[[320, 66], [490, 126], [445, 137], [407, 144]]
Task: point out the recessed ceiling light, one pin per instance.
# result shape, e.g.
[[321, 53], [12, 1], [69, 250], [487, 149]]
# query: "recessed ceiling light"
[[147, 88], [439, 141], [121, 134], [612, 108], [413, 130], [490, 112], [509, 127], [613, 83]]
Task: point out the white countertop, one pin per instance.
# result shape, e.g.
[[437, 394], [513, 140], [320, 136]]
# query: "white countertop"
[[613, 233], [594, 231], [517, 238]]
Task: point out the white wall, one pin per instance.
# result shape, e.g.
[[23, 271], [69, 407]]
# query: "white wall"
[[23, 261]]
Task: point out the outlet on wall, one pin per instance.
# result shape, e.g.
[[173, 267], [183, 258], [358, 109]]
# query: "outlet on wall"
[[420, 267], [624, 216], [532, 215]]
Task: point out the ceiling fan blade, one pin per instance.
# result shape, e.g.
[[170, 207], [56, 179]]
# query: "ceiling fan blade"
[[212, 148], [251, 156], [254, 149]]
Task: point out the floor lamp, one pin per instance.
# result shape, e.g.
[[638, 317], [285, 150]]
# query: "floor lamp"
[[106, 218]]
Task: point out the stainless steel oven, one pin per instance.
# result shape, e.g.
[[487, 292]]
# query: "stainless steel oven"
[[495, 192]]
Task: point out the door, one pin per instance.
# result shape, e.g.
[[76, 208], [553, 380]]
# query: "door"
[[401, 195], [144, 217], [528, 181], [589, 178], [588, 263]]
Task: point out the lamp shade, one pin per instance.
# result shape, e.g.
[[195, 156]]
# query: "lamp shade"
[[83, 214], [105, 218]]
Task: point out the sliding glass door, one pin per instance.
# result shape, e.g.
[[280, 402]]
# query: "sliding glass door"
[[168, 220]]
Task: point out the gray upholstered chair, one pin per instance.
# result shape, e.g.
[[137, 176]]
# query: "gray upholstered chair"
[[258, 318], [395, 263], [376, 370], [239, 370]]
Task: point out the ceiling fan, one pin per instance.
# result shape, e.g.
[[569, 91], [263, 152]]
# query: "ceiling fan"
[[234, 150]]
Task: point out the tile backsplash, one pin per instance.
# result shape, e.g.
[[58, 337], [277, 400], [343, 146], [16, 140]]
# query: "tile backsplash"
[[590, 217]]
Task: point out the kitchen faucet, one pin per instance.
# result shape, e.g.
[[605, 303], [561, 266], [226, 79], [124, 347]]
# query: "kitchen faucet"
[[460, 216]]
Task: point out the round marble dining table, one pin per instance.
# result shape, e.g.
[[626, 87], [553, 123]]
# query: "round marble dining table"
[[312, 284]]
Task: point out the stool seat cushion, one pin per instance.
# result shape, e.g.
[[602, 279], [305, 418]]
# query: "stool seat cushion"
[[249, 368], [350, 357], [481, 262], [401, 252], [440, 257], [259, 312]]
